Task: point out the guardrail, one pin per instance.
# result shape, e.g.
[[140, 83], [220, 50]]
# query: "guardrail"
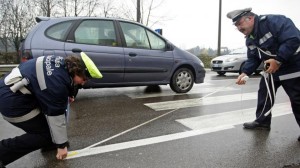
[[6, 68]]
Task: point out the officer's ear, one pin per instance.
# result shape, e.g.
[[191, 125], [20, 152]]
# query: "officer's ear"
[[247, 19]]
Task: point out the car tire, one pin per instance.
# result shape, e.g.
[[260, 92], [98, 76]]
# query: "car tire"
[[221, 73], [182, 80]]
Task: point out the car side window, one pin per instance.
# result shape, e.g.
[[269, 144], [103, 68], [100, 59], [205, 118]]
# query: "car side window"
[[135, 35], [58, 31], [98, 32], [156, 42]]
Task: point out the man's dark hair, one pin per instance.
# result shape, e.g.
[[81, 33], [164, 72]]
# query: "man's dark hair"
[[75, 66]]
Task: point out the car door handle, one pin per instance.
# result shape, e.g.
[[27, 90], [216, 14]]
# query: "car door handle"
[[131, 54], [76, 50]]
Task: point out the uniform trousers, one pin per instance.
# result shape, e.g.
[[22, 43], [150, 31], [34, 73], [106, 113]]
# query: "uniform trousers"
[[37, 135], [292, 89]]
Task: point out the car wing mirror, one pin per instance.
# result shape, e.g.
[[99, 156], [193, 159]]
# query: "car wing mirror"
[[169, 46]]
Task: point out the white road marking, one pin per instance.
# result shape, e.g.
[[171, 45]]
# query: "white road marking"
[[142, 142], [140, 95], [212, 123], [133, 128], [200, 125], [231, 118], [167, 105]]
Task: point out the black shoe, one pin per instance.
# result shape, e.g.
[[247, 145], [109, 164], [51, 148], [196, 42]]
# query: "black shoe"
[[256, 125], [299, 138], [1, 165]]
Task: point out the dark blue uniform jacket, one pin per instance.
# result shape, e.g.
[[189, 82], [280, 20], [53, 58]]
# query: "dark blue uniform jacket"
[[52, 101], [277, 35]]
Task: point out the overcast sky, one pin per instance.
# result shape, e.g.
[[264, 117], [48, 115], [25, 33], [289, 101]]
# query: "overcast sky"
[[195, 22]]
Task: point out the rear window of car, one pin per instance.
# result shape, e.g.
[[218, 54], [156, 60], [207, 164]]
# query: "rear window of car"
[[59, 31]]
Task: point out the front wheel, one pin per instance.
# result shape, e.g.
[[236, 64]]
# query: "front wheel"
[[182, 80]]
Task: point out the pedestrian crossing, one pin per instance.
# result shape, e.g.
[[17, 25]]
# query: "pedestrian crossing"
[[225, 118], [199, 125]]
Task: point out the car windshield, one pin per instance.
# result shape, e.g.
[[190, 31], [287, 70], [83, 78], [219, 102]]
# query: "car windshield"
[[238, 51]]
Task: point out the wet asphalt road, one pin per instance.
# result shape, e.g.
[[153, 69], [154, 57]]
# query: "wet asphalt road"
[[131, 128]]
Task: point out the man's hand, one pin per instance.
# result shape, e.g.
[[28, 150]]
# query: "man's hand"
[[62, 153], [240, 81], [71, 99], [274, 66]]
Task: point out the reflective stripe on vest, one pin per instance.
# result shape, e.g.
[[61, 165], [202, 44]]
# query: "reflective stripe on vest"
[[23, 118], [265, 38], [298, 50], [40, 73], [289, 76]]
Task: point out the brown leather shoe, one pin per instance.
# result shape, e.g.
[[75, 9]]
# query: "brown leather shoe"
[[256, 125]]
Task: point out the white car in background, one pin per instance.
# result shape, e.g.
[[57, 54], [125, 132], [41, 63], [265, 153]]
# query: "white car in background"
[[233, 62]]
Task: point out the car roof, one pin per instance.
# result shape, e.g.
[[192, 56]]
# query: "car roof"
[[43, 18]]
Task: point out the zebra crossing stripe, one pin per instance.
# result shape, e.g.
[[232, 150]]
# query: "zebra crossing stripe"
[[178, 104], [231, 118], [141, 95], [142, 142]]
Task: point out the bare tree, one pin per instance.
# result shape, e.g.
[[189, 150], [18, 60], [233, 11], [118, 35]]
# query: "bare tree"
[[47, 7], [107, 8], [3, 24], [92, 5], [64, 6], [20, 20], [15, 22], [147, 10]]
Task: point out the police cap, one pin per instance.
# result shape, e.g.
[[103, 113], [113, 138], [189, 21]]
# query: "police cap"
[[235, 15]]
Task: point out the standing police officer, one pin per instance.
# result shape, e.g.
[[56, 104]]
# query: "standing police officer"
[[275, 40], [34, 97]]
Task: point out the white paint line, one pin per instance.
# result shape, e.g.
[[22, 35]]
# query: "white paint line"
[[73, 153], [133, 128], [140, 95], [143, 142], [202, 125], [178, 104], [231, 118]]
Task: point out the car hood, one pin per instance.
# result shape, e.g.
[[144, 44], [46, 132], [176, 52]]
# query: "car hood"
[[223, 57]]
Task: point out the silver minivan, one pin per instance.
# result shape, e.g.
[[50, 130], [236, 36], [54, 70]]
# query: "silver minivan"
[[127, 53]]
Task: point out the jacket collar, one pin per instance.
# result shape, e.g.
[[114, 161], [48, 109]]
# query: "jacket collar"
[[254, 32]]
